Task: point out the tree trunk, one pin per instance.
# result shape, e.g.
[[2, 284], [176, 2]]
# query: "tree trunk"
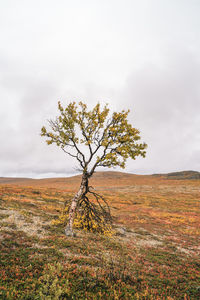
[[78, 196]]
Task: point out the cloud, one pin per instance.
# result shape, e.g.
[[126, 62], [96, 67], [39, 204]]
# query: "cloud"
[[142, 55], [165, 104]]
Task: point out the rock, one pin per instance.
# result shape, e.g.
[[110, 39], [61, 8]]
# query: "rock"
[[69, 232], [121, 231]]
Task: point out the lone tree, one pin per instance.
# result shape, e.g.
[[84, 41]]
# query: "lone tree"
[[94, 138]]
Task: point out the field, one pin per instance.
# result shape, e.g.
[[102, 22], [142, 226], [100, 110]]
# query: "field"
[[153, 254]]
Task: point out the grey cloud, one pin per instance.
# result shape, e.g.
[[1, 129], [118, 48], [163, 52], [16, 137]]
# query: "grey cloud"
[[166, 106], [140, 55]]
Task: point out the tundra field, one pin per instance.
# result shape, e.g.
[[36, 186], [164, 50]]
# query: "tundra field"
[[153, 253]]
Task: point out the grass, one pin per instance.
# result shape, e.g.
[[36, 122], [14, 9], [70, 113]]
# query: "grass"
[[156, 258]]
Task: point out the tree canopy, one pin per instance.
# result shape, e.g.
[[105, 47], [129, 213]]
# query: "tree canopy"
[[110, 139]]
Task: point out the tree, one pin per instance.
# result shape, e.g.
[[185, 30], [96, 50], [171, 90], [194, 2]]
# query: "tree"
[[94, 138]]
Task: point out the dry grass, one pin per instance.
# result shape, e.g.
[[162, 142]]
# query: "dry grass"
[[154, 254]]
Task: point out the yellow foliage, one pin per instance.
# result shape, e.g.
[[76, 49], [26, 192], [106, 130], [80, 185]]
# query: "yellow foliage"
[[97, 130], [86, 223]]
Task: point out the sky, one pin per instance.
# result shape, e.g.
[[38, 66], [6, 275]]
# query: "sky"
[[138, 55]]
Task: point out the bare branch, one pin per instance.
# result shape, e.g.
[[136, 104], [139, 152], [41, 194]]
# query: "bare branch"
[[82, 155]]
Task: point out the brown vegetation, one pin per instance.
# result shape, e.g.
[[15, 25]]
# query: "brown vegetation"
[[154, 253]]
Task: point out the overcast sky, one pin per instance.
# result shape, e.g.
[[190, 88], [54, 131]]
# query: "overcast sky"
[[142, 55]]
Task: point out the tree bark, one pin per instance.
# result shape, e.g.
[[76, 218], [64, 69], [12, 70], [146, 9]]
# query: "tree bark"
[[78, 196]]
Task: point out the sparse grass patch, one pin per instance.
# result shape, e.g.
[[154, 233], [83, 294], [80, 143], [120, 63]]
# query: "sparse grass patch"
[[3, 216]]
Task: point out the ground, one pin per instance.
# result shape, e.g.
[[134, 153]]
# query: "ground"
[[153, 253]]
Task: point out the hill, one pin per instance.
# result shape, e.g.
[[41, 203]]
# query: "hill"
[[183, 175], [14, 180], [102, 179], [99, 179], [152, 254]]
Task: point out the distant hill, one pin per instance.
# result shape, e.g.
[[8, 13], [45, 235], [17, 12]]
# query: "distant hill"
[[10, 180], [101, 180], [183, 175]]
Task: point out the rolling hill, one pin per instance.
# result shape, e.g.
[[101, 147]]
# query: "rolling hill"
[[183, 175], [103, 179], [153, 252]]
